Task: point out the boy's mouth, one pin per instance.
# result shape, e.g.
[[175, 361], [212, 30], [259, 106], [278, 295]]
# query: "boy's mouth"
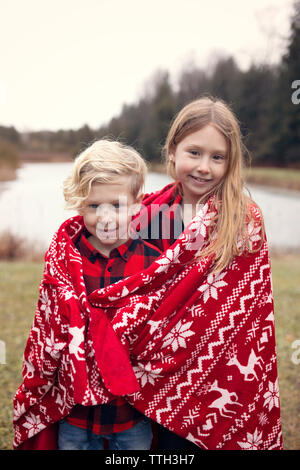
[[103, 232]]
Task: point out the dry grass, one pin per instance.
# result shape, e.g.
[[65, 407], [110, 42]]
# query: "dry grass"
[[276, 177], [13, 247], [7, 173]]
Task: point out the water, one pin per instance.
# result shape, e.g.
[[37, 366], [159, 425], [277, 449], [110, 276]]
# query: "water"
[[33, 206]]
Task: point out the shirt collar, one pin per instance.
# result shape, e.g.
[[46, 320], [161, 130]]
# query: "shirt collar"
[[124, 251]]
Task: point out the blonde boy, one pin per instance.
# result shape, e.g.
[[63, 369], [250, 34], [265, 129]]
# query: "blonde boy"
[[105, 187]]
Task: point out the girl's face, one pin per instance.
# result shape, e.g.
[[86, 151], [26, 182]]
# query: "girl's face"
[[201, 161]]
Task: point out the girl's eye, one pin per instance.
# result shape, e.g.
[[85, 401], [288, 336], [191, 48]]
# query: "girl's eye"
[[93, 206], [219, 157]]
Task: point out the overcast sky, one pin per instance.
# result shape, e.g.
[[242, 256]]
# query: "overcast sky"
[[64, 63]]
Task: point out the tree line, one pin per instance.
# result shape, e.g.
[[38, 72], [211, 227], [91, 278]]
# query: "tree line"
[[265, 98]]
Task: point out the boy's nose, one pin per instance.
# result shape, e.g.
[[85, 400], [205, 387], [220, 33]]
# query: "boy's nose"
[[106, 216]]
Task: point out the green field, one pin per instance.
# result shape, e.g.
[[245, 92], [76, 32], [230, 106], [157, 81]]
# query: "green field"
[[18, 295]]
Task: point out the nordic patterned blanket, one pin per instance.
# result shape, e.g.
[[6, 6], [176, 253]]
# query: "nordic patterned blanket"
[[192, 350]]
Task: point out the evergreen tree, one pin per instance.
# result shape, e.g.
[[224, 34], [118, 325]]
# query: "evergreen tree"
[[286, 144], [163, 110], [253, 107]]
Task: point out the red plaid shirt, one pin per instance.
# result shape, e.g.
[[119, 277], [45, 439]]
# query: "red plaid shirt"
[[100, 271]]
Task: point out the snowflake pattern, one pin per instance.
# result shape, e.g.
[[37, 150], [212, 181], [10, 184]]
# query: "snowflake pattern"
[[19, 411], [178, 334], [166, 261], [198, 227], [262, 418], [146, 374], [33, 424], [253, 441], [272, 395], [214, 282], [205, 219]]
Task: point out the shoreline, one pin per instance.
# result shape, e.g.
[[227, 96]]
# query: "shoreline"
[[280, 184], [278, 179]]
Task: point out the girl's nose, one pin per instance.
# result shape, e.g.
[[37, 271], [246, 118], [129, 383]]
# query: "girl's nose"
[[203, 165]]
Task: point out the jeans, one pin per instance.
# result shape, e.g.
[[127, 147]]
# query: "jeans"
[[71, 437]]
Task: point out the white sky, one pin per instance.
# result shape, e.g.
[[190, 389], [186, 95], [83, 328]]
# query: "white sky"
[[64, 63]]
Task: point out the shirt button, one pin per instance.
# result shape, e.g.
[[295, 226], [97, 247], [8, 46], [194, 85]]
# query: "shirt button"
[[109, 269]]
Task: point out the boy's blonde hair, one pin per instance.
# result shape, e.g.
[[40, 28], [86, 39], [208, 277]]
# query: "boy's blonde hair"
[[233, 205], [103, 162]]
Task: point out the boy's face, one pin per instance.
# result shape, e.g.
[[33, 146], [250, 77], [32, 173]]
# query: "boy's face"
[[108, 211]]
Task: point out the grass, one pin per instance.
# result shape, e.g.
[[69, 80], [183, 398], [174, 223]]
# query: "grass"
[[19, 283], [278, 177], [18, 295], [286, 286]]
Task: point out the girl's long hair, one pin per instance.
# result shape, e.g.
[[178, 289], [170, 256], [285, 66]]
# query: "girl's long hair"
[[229, 235]]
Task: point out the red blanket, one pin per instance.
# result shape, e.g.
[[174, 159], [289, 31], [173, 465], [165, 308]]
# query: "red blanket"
[[192, 350]]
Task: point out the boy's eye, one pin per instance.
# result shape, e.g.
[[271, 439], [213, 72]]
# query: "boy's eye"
[[194, 152], [116, 205]]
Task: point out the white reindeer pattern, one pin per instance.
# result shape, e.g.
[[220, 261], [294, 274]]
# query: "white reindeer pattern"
[[248, 370], [225, 399]]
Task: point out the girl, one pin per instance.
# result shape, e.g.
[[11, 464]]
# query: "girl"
[[197, 324], [204, 155]]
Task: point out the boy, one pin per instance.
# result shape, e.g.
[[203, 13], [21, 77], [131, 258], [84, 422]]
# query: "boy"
[[105, 187]]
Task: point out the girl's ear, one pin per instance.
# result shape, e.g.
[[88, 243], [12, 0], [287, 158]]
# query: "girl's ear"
[[172, 156]]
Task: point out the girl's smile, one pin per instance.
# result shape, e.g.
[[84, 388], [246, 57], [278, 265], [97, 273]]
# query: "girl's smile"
[[200, 162], [199, 180]]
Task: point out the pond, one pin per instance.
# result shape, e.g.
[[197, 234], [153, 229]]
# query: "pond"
[[32, 206]]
